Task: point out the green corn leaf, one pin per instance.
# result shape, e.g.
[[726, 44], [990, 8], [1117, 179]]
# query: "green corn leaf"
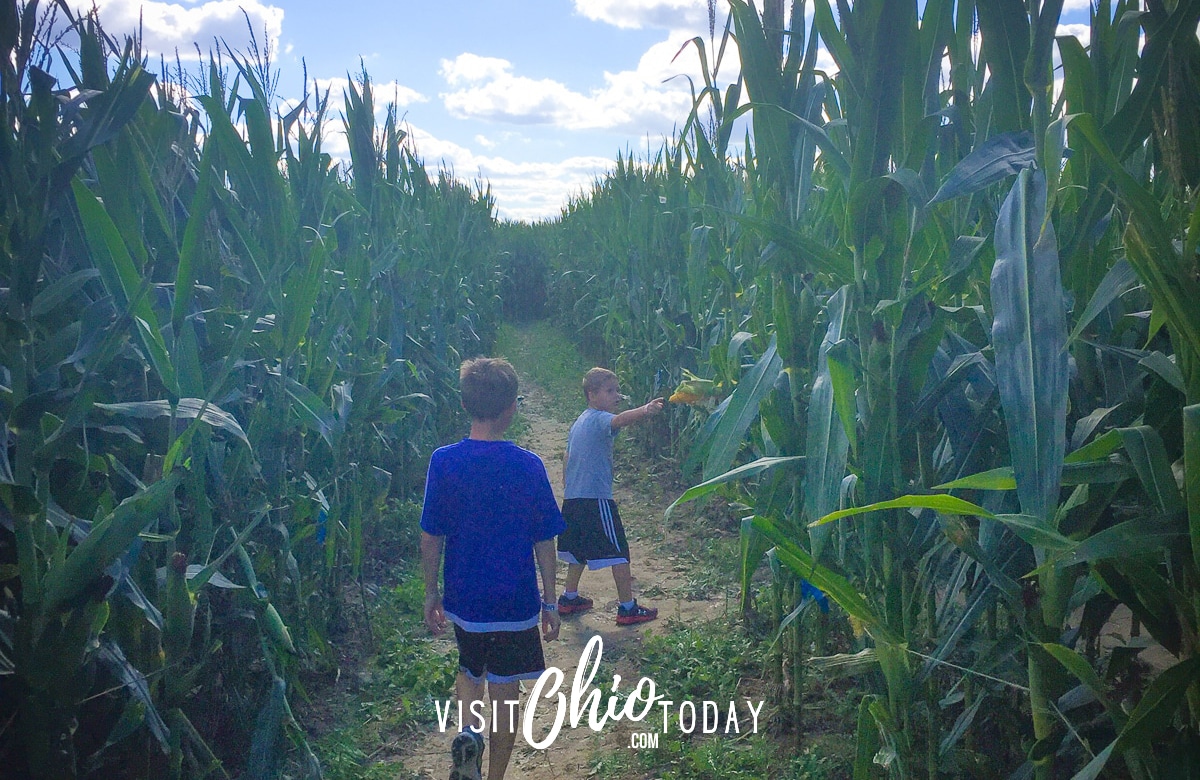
[[139, 690], [1149, 457], [201, 578], [58, 293], [265, 745], [827, 443], [190, 252], [1164, 367], [884, 32], [1130, 538], [1158, 705], [834, 585], [1004, 28], [996, 158], [1077, 665], [1079, 82], [122, 280], [939, 503], [1191, 475], [741, 411], [841, 374], [993, 479], [745, 471], [186, 408], [1119, 280], [752, 546], [1129, 127], [1149, 246], [834, 39], [807, 254], [1096, 765], [1086, 473], [868, 743], [959, 729], [1038, 72], [1101, 447], [108, 540], [1033, 531], [301, 295], [315, 415], [831, 153], [1192, 242], [1029, 336], [1151, 598]]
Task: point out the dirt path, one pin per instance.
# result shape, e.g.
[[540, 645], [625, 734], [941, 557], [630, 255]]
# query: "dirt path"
[[658, 581]]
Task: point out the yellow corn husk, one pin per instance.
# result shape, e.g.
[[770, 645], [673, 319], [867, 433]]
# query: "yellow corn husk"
[[692, 390], [276, 629], [683, 397]]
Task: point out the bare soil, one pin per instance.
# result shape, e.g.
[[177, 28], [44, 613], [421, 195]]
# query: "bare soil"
[[659, 580]]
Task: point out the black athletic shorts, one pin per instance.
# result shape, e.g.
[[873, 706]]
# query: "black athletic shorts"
[[594, 533], [501, 656]]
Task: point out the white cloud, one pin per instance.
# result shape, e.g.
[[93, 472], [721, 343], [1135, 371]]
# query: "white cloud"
[[382, 94], [470, 68], [168, 28], [1081, 31], [523, 190], [646, 99], [637, 14], [488, 89]]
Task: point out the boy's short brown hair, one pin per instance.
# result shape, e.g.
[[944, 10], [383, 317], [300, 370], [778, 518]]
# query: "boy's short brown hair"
[[597, 378], [488, 386]]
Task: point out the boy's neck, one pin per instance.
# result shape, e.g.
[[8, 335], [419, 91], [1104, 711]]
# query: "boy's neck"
[[488, 430]]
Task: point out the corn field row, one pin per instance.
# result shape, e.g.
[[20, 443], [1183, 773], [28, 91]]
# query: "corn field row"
[[939, 316], [221, 355]]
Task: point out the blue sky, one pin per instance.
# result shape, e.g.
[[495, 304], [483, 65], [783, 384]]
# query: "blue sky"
[[535, 97]]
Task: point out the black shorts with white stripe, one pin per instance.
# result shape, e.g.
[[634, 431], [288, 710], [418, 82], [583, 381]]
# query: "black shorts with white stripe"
[[594, 533]]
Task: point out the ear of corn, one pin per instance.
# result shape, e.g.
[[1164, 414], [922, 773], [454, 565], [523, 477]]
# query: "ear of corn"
[[692, 390]]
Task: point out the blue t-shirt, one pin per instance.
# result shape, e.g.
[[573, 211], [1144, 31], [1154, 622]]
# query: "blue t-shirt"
[[492, 502], [589, 471]]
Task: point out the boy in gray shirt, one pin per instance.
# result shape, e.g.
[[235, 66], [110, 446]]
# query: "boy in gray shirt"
[[595, 537]]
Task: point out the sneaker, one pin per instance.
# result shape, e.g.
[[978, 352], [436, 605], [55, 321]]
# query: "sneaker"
[[568, 606], [636, 614], [466, 751]]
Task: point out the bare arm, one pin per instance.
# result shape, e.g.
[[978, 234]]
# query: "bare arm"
[[631, 416], [545, 552], [431, 567]]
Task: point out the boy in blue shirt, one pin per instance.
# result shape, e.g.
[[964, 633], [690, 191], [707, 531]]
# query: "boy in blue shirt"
[[595, 537], [490, 509]]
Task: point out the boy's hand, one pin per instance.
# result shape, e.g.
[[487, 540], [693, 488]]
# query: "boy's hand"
[[633, 416], [434, 617], [550, 625]]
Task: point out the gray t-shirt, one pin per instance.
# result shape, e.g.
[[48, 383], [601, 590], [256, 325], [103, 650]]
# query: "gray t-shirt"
[[589, 469]]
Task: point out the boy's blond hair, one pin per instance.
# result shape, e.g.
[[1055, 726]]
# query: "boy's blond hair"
[[488, 386], [597, 378]]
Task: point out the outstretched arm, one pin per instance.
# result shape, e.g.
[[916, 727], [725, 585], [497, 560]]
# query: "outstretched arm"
[[546, 553], [643, 412], [431, 567]]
